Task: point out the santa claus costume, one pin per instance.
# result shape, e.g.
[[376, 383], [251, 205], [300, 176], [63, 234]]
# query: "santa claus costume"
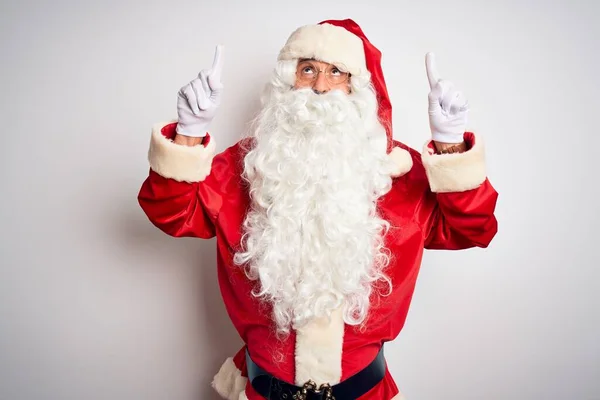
[[321, 219]]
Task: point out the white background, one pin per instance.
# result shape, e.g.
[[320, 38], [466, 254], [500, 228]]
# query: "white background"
[[97, 304]]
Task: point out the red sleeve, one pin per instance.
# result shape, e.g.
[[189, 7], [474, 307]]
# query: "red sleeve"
[[463, 219], [184, 192], [232, 378], [464, 199], [240, 361], [179, 208]]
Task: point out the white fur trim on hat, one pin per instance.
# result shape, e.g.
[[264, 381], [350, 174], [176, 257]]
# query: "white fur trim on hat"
[[401, 160], [229, 382], [456, 172], [179, 162], [328, 43]]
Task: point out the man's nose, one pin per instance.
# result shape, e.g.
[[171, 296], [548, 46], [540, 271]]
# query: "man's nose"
[[321, 85]]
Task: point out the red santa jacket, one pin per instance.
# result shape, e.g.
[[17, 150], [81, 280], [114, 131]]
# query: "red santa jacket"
[[439, 202]]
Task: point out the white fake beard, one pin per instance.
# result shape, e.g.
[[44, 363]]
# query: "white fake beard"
[[312, 237]]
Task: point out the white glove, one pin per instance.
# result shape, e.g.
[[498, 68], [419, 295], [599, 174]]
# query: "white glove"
[[197, 102], [447, 107]]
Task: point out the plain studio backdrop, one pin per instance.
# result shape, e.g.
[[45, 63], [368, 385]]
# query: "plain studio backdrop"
[[98, 304]]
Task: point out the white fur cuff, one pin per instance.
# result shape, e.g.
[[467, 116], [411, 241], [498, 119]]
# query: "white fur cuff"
[[229, 382], [457, 172], [182, 163], [328, 43], [401, 161]]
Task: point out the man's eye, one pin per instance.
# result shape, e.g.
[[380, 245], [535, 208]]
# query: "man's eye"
[[307, 70], [336, 71]]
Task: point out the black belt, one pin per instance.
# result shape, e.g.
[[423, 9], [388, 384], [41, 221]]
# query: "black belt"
[[352, 388]]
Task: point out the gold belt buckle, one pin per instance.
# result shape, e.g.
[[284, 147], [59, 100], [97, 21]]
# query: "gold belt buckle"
[[325, 388]]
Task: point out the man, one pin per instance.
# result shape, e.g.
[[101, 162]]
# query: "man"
[[321, 218]]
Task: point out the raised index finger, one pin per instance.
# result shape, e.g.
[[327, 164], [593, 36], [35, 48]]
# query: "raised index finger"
[[217, 66], [432, 74]]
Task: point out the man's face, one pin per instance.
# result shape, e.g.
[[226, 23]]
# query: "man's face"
[[321, 77]]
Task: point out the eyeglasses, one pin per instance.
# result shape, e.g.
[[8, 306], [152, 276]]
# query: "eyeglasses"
[[307, 72]]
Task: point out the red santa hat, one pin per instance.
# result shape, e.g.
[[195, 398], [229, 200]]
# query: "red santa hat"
[[344, 44]]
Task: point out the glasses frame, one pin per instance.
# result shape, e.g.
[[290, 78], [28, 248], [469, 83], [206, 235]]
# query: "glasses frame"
[[319, 71]]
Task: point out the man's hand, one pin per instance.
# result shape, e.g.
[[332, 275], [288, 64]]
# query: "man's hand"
[[447, 107], [197, 102]]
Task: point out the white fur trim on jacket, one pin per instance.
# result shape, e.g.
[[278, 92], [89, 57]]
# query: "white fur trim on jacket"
[[328, 43], [179, 162], [402, 161], [319, 350], [243, 396], [229, 382], [456, 172]]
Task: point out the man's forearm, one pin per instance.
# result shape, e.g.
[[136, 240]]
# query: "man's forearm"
[[187, 140], [444, 147]]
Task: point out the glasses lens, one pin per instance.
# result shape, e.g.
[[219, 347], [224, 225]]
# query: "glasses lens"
[[335, 78], [336, 75], [306, 72]]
